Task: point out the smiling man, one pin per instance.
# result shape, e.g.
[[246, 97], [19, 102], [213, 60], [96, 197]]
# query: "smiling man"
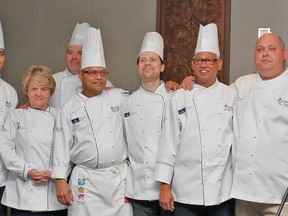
[[143, 121], [68, 80], [194, 162], [89, 135]]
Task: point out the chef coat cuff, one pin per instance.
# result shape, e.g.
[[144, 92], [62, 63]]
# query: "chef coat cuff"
[[163, 173], [27, 168], [59, 172]]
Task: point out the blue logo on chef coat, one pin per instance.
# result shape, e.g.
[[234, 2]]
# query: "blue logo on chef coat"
[[127, 114], [180, 112], [76, 120]]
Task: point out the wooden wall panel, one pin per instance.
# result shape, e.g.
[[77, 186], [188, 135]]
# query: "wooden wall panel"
[[178, 22]]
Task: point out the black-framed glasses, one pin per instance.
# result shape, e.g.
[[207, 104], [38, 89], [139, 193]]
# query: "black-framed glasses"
[[95, 73], [208, 61]]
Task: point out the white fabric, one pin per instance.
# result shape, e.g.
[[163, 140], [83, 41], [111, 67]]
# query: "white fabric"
[[66, 85], [153, 42], [26, 144], [89, 133], [8, 102], [143, 122], [100, 191], [1, 38], [207, 40], [261, 133], [194, 152], [93, 52], [78, 34]]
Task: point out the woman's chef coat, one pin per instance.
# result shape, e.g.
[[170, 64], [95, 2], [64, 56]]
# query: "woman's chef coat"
[[8, 102], [26, 141], [66, 85], [261, 133], [143, 123], [195, 148]]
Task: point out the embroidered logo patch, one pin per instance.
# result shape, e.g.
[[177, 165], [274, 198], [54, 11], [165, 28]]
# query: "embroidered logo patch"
[[282, 102], [80, 199], [115, 109], [76, 120], [228, 108], [182, 111], [81, 182], [8, 104]]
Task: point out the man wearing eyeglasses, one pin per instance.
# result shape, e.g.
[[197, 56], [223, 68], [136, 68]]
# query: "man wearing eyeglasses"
[[194, 162], [89, 135], [68, 80]]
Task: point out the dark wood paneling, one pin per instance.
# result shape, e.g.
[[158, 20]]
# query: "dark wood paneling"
[[178, 22]]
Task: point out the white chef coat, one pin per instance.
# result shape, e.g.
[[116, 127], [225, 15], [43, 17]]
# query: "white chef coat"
[[261, 134], [143, 123], [66, 85], [195, 149], [89, 133], [26, 144], [8, 102]]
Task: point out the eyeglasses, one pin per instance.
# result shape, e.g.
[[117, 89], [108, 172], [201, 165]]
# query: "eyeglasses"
[[208, 61], [95, 73]]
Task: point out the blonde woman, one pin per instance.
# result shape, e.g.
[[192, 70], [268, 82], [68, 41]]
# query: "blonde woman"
[[26, 147]]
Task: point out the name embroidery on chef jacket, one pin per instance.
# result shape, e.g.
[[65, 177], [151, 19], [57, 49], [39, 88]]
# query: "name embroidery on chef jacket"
[[182, 111], [77, 120], [127, 114], [282, 102]]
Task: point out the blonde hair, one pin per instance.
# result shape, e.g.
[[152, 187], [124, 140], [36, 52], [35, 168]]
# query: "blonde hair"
[[42, 74]]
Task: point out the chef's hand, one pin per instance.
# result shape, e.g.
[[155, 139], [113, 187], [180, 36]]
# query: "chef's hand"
[[166, 198], [171, 85], [187, 83], [39, 176], [64, 192], [24, 106]]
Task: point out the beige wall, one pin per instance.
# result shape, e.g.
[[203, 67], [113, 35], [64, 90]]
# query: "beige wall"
[[246, 17], [38, 31]]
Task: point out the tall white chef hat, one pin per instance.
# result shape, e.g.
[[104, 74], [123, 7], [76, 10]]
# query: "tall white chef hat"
[[79, 34], [1, 38], [208, 39], [93, 52], [153, 41]]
